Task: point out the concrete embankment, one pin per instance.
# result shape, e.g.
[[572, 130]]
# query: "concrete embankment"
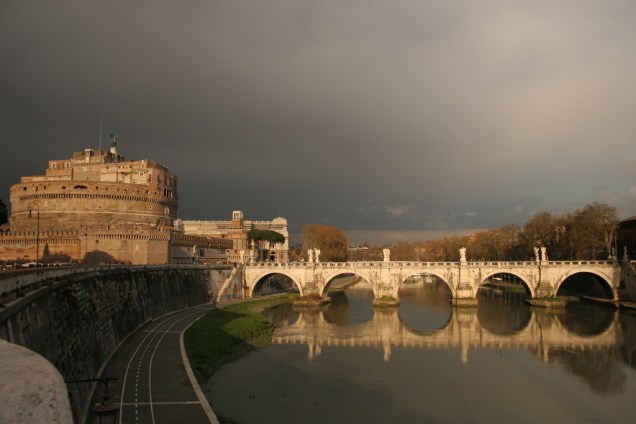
[[77, 321]]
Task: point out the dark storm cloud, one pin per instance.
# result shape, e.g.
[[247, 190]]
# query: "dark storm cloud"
[[369, 115]]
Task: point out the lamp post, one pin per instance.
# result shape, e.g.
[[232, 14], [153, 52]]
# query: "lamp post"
[[30, 207], [106, 411]]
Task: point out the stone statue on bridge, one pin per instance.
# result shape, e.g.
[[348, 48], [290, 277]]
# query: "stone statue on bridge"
[[310, 256], [462, 255], [387, 254], [317, 254], [242, 256], [252, 256], [536, 254], [544, 254]]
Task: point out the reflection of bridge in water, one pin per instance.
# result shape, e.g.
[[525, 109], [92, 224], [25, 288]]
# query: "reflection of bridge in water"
[[385, 330]]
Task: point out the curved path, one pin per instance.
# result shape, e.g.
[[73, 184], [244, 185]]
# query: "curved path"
[[154, 381]]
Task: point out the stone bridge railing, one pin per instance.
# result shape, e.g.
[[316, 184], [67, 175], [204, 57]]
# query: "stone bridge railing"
[[388, 264]]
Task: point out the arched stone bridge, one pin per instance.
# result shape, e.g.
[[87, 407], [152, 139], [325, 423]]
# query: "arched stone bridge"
[[542, 278]]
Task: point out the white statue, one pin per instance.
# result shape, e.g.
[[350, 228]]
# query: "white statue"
[[252, 256], [317, 254], [462, 254], [536, 254], [242, 256], [310, 256], [544, 254], [387, 254]]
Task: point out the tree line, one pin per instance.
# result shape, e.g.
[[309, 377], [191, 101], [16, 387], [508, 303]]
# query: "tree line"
[[587, 233]]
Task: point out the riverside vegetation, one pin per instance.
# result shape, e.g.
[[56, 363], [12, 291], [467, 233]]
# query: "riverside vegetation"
[[223, 335]]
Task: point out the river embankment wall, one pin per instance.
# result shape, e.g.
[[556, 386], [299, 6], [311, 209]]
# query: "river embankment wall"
[[77, 321]]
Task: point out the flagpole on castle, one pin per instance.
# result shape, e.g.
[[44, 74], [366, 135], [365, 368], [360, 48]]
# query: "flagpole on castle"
[[101, 120]]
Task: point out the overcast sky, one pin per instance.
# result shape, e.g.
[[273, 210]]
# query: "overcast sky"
[[390, 119]]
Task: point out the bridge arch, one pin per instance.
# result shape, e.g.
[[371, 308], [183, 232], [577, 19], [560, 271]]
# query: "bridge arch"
[[434, 273], [329, 278], [489, 274], [604, 279], [260, 277]]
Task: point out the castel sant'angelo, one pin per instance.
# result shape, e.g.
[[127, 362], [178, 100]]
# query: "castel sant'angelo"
[[124, 210]]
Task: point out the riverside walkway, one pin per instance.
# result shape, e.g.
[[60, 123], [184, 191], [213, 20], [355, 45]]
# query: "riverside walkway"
[[154, 381]]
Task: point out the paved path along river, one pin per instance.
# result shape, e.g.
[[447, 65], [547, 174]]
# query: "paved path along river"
[[153, 385]]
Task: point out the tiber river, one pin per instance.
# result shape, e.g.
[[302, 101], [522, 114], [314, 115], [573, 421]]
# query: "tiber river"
[[427, 362]]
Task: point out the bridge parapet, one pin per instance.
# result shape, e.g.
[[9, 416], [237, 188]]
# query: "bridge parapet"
[[15, 283]]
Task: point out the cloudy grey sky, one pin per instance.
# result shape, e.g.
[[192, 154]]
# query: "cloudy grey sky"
[[389, 119]]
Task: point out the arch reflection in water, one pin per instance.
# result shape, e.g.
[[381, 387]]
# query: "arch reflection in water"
[[541, 332]]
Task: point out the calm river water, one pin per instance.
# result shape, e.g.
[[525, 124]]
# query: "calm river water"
[[426, 362]]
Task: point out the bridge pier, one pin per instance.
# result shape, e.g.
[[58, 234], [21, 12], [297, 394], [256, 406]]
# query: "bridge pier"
[[545, 287], [463, 295]]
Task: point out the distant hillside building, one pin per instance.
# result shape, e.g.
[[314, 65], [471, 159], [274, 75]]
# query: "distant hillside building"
[[96, 201], [236, 230]]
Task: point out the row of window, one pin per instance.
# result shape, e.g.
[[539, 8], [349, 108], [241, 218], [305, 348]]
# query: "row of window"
[[166, 193]]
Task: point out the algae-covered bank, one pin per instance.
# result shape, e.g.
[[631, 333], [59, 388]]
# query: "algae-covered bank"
[[225, 334]]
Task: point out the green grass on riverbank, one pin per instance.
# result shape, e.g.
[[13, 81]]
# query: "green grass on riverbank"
[[224, 335]]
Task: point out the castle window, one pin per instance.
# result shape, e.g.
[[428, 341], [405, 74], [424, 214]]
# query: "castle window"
[[24, 189], [80, 187], [54, 166]]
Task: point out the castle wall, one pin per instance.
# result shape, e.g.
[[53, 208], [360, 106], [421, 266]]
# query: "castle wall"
[[67, 205], [141, 248], [22, 246]]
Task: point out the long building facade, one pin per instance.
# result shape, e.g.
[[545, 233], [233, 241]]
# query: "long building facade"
[[237, 230]]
